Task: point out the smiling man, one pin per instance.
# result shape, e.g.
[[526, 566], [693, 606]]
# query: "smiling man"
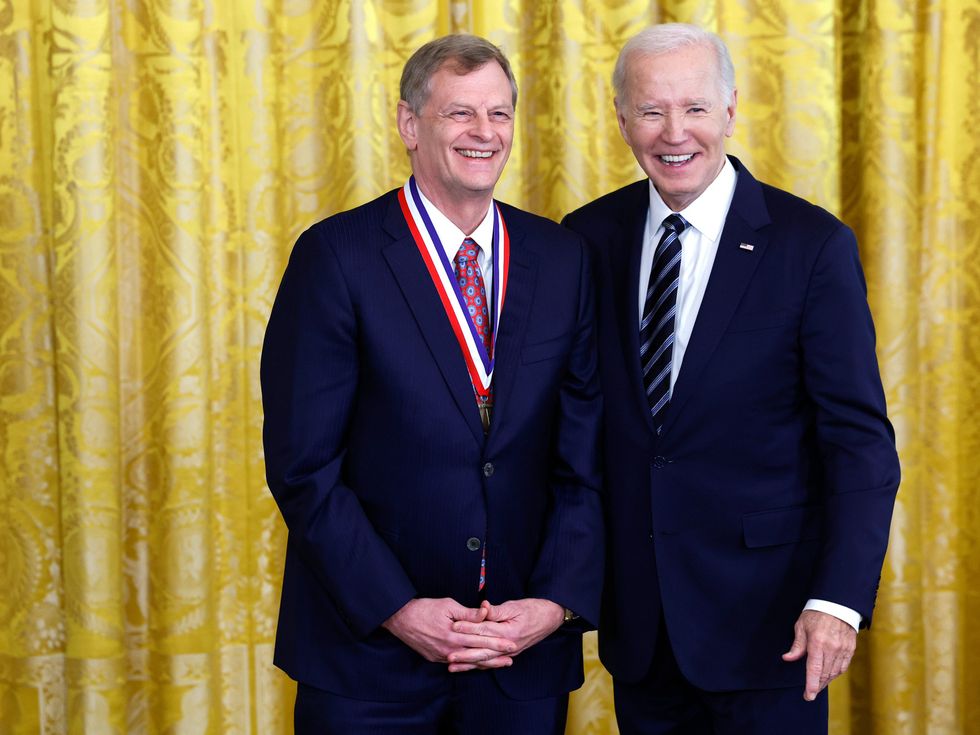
[[431, 435], [750, 466]]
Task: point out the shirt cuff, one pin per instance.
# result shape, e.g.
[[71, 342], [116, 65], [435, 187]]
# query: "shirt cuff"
[[849, 616]]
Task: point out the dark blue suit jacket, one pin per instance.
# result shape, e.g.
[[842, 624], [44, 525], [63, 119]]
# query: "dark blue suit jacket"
[[775, 475], [377, 458]]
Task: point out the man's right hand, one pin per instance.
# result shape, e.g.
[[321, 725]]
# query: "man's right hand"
[[425, 626]]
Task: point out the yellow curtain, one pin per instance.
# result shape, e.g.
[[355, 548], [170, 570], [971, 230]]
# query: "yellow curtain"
[[158, 159]]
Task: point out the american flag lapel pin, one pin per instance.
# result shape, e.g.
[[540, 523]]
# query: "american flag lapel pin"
[[747, 246]]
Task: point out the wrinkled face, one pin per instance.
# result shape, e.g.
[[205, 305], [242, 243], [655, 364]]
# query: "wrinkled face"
[[674, 118], [460, 140]]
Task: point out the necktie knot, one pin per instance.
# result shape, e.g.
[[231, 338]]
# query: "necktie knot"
[[467, 251], [675, 223]]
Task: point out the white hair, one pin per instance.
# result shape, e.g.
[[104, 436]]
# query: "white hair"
[[660, 39]]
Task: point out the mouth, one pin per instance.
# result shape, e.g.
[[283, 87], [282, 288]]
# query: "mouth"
[[676, 160], [471, 153]]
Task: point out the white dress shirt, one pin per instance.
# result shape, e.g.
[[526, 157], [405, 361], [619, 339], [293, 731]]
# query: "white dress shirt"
[[452, 237], [705, 217], [699, 242]]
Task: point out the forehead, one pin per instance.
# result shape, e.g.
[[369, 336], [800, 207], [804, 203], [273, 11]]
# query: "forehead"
[[487, 84], [687, 72]]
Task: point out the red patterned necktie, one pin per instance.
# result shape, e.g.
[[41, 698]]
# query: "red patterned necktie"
[[474, 291], [471, 285]]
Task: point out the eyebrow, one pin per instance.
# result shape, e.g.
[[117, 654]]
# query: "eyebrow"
[[467, 106], [696, 102]]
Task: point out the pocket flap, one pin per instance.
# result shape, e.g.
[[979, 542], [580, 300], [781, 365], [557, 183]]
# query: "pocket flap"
[[782, 526]]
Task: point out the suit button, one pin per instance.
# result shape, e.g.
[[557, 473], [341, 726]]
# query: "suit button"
[[488, 469], [659, 461], [473, 544]]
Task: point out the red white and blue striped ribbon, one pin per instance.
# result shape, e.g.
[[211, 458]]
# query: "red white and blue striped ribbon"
[[478, 362]]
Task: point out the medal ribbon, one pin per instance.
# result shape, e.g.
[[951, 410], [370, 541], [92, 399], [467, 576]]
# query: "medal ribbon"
[[478, 363]]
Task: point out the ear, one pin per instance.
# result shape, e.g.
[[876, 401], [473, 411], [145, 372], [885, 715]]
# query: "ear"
[[621, 119], [730, 125], [406, 125]]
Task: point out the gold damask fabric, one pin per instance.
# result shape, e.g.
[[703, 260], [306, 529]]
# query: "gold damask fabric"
[[159, 157]]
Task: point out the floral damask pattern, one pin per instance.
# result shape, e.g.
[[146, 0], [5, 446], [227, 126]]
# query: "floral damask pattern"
[[158, 159]]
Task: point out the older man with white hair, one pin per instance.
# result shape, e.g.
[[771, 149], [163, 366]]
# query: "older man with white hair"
[[750, 466]]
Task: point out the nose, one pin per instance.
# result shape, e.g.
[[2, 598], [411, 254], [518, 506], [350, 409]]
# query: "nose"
[[675, 128], [481, 127]]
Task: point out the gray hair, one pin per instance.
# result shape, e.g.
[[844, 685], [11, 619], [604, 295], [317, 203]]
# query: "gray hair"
[[666, 37], [462, 53]]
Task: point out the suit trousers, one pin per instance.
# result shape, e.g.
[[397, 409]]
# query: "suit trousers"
[[664, 702], [473, 704]]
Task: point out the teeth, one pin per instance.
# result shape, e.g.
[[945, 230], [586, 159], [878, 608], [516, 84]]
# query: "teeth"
[[475, 154], [677, 159]]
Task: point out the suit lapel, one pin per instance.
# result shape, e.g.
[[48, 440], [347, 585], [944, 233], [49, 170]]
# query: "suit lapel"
[[624, 261], [730, 275], [416, 286], [511, 327]]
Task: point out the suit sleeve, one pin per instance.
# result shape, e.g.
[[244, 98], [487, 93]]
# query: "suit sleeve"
[[856, 441], [309, 379], [570, 564]]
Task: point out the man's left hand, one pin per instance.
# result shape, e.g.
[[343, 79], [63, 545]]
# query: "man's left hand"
[[523, 622], [828, 644]]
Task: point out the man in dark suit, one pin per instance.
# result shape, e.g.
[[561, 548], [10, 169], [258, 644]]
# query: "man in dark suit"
[[432, 419], [750, 467]]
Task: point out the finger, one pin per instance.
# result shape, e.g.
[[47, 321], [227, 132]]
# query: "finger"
[[497, 613], [485, 628], [471, 614], [814, 671], [466, 628], [836, 657], [463, 641], [841, 662], [473, 656], [832, 671], [797, 650], [495, 663]]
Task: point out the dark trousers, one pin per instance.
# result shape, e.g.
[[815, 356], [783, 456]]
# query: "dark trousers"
[[474, 705], [666, 703]]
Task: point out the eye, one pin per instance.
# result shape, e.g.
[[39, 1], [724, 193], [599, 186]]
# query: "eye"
[[697, 110], [500, 116], [652, 115], [460, 115]]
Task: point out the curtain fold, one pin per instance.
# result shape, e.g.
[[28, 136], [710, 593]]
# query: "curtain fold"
[[158, 158]]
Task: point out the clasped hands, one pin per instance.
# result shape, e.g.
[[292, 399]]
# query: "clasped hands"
[[466, 638]]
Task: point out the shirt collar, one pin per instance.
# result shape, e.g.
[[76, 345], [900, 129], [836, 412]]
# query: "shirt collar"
[[708, 212], [452, 237]]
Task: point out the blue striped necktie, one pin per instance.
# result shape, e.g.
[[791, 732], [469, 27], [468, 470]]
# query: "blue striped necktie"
[[657, 325]]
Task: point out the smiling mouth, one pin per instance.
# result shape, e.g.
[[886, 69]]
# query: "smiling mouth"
[[676, 160], [470, 153]]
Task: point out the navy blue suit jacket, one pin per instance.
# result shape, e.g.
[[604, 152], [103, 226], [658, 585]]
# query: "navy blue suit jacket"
[[377, 458], [774, 478]]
